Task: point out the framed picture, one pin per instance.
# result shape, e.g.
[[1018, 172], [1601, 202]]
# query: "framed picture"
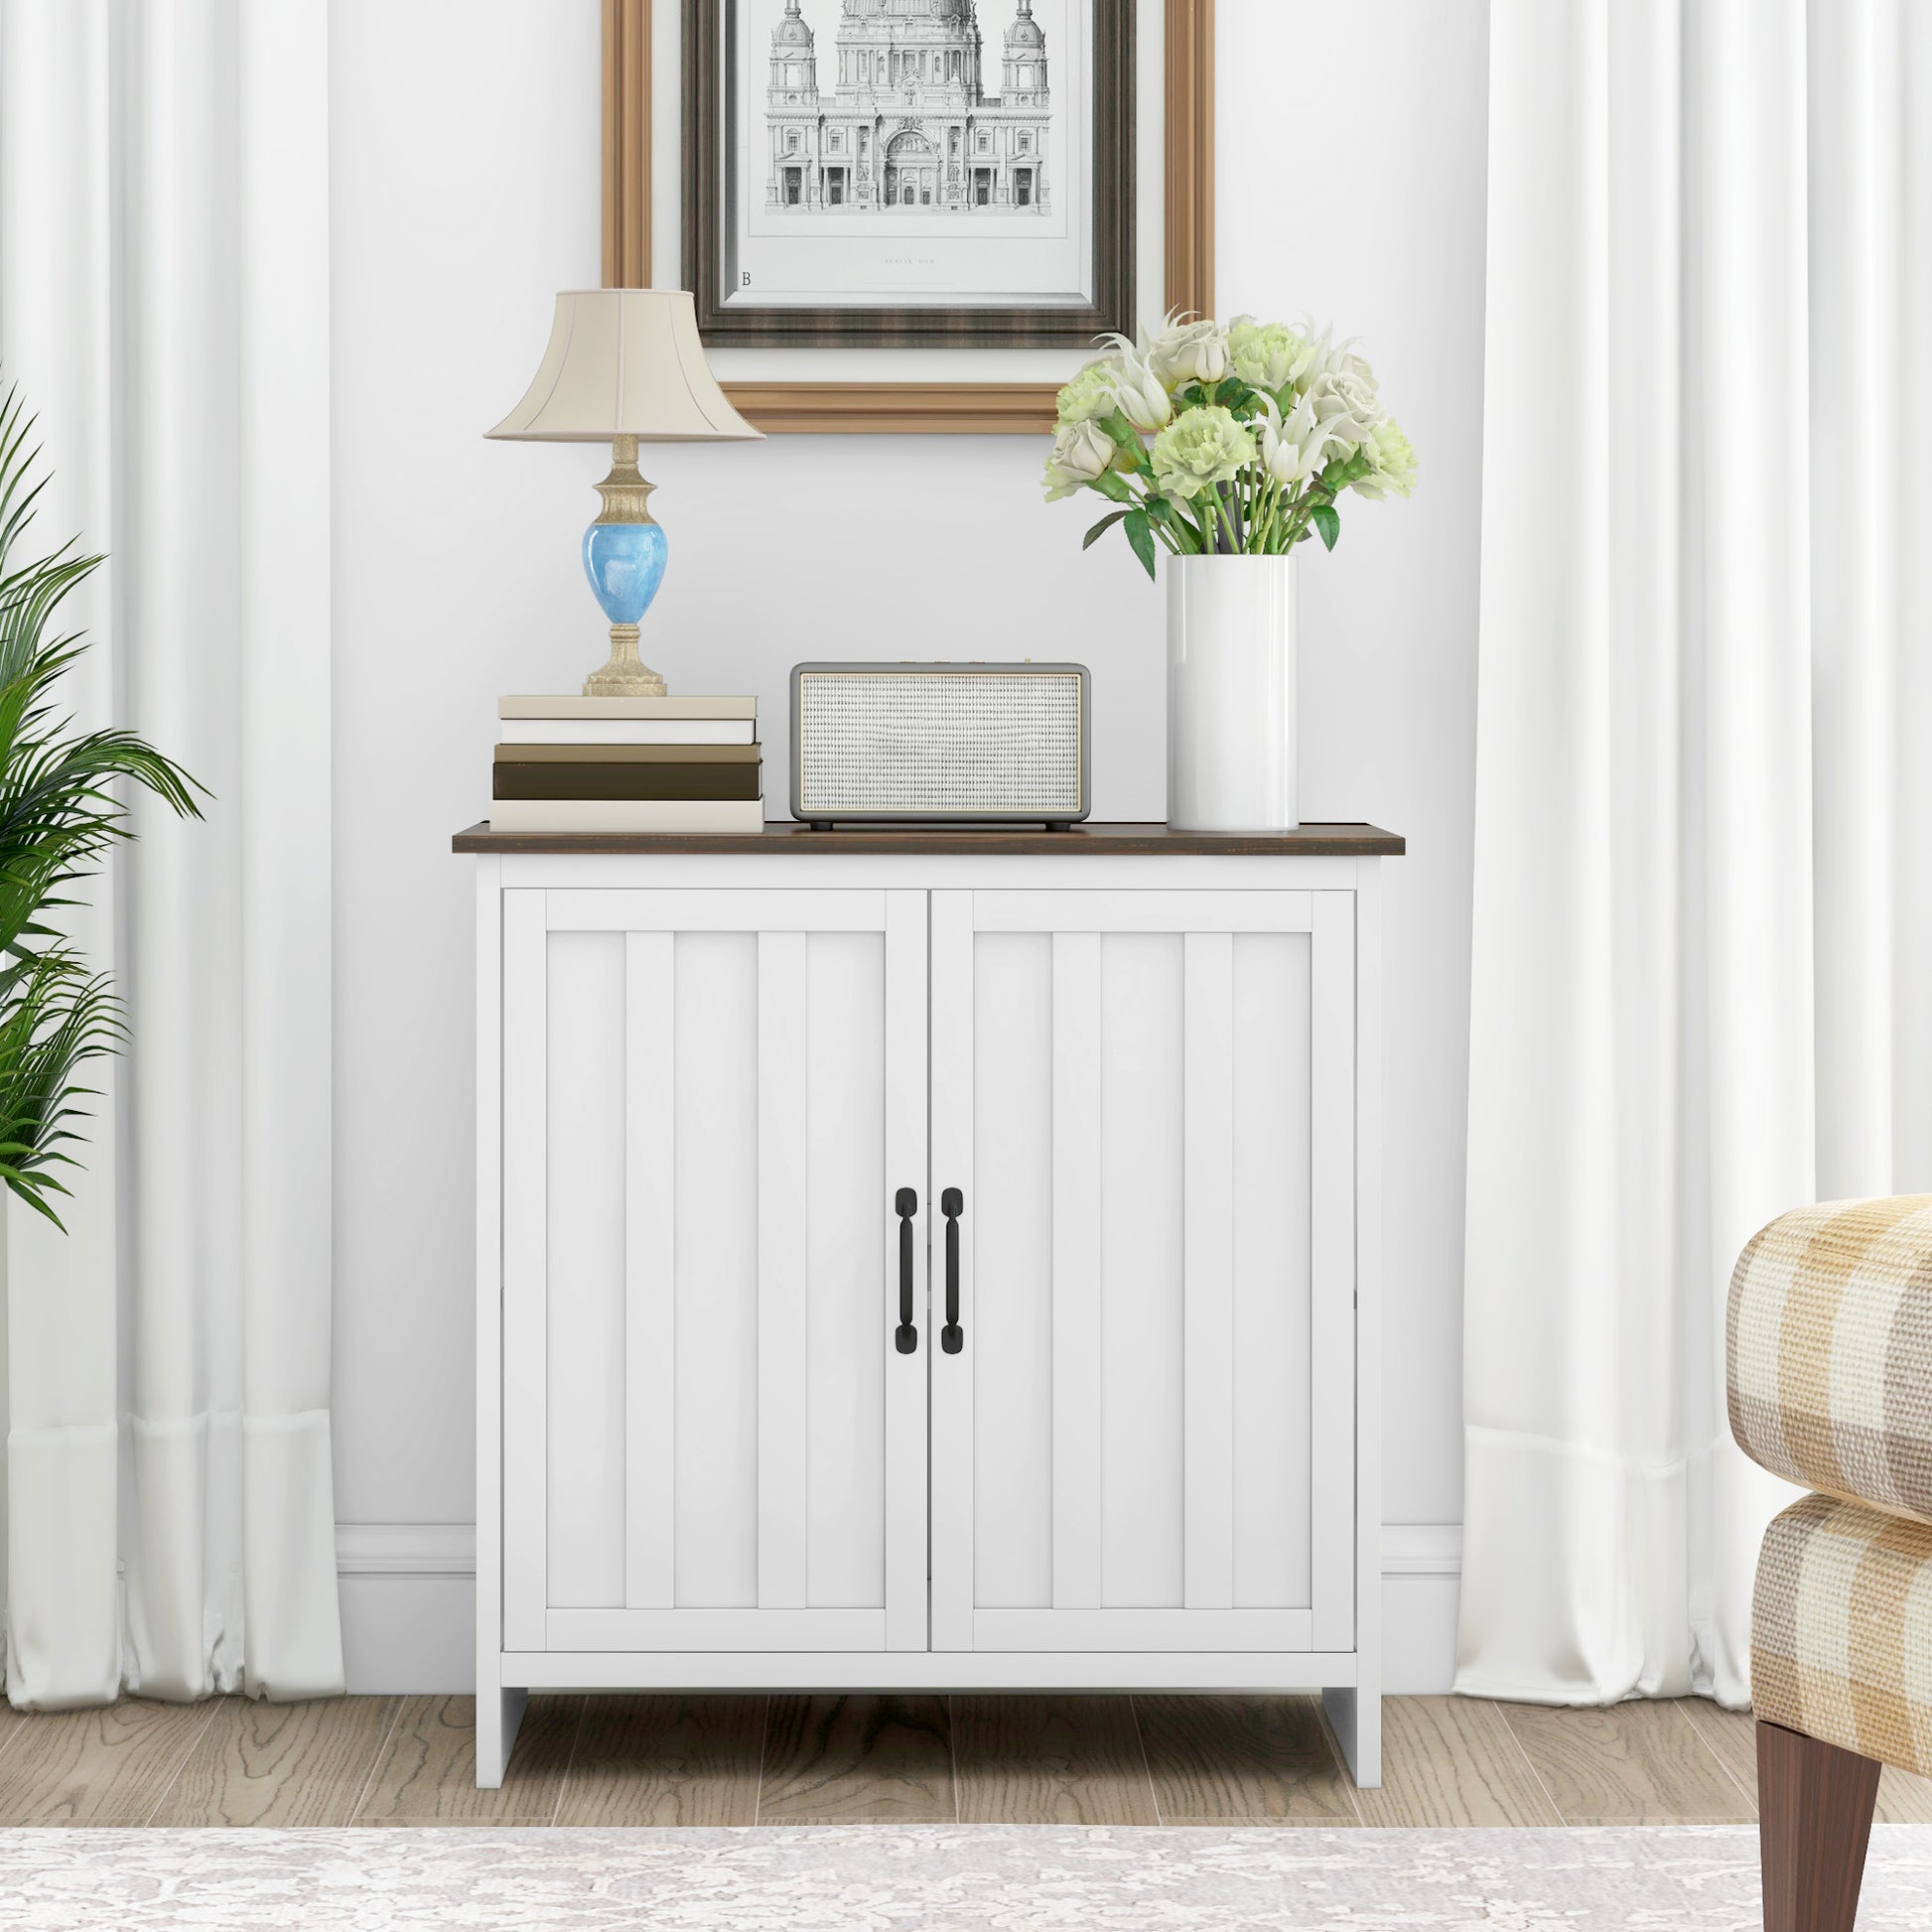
[[914, 192], [957, 184]]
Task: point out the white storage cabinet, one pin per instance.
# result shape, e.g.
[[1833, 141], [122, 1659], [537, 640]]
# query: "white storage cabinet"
[[941, 1261]]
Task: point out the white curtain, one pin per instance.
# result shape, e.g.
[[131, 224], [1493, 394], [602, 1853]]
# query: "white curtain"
[[164, 308], [1703, 950]]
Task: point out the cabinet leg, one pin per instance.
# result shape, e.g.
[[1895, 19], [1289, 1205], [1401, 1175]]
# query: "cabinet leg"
[[1814, 1819], [498, 1713], [1355, 1717]]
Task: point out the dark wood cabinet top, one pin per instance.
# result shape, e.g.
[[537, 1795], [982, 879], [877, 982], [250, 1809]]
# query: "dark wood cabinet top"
[[784, 835]]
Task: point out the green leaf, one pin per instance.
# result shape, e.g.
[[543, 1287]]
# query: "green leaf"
[[1141, 538], [1327, 523], [1176, 524], [24, 1191], [1112, 485], [1101, 528], [61, 810]]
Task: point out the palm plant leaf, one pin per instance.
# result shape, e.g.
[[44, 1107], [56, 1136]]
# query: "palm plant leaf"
[[63, 805], [56, 1019]]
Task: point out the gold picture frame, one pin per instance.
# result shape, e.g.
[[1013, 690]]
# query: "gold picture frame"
[[915, 408]]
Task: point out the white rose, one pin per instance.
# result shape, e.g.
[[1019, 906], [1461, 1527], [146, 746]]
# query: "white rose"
[[1329, 433], [1190, 352], [1081, 450], [1346, 403]]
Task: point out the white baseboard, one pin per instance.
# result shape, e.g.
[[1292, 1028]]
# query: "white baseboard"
[[405, 1548], [408, 1592], [408, 1597], [1422, 1579]]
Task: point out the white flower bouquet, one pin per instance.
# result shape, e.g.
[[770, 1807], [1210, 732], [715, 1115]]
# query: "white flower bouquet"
[[1226, 439]]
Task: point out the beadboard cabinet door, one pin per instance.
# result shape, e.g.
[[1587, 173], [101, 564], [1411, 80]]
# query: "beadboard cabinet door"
[[1145, 1101], [711, 1099]]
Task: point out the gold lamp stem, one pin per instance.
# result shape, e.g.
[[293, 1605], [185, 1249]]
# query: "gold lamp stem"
[[627, 498], [624, 674]]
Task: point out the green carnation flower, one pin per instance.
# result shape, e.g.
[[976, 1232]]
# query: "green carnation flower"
[[1200, 449], [1089, 395], [1392, 460], [1266, 354]]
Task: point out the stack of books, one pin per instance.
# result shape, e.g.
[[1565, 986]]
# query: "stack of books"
[[628, 765]]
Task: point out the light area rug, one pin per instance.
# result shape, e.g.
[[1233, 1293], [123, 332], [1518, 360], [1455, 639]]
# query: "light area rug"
[[884, 1878]]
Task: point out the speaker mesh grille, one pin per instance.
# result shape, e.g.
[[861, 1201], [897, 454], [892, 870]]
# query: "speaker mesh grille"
[[947, 742]]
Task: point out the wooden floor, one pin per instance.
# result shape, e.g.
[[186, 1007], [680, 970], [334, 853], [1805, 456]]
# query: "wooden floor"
[[800, 1760]]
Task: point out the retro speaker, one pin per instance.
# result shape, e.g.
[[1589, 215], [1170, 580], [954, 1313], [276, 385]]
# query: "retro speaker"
[[939, 744]]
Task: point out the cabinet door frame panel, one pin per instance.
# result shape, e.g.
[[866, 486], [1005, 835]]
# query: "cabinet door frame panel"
[[784, 1305], [649, 1329], [1133, 1630], [1331, 1271], [1207, 924], [645, 923], [907, 1377], [527, 1398], [722, 909], [952, 1477], [1077, 1286], [1207, 1360], [718, 1629], [1087, 910]]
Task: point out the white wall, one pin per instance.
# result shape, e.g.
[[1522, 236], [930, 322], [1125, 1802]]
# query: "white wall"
[[464, 177]]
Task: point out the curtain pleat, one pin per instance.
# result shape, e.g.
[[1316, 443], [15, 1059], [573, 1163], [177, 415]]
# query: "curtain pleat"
[[164, 308], [1693, 829]]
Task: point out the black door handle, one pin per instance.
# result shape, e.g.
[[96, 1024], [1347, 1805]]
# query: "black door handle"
[[952, 1338], [905, 1206]]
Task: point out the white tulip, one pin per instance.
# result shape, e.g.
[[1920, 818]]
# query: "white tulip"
[[1139, 393], [1292, 450], [1082, 452], [1326, 356], [1141, 397]]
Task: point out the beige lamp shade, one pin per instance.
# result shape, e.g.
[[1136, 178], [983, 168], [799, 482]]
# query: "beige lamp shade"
[[624, 362]]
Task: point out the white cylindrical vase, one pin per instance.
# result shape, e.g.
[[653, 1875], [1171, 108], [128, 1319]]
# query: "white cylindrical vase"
[[1231, 694]]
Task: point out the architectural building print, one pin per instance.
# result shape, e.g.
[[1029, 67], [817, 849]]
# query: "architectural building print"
[[909, 123]]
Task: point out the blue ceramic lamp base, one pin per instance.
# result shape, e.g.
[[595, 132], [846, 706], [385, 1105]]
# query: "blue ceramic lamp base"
[[624, 553]]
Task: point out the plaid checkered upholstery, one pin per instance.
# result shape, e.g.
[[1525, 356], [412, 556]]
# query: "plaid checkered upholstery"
[[1841, 1630], [1827, 1346], [1828, 1351]]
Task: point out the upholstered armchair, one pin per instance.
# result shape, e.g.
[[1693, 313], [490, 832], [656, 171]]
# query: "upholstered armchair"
[[1829, 1365]]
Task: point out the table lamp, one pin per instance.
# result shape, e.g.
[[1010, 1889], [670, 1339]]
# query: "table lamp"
[[624, 367]]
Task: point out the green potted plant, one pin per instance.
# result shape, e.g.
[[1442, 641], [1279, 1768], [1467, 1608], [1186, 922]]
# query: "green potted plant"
[[60, 813]]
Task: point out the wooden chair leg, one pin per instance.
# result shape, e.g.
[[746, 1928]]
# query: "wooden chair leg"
[[1814, 1821]]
